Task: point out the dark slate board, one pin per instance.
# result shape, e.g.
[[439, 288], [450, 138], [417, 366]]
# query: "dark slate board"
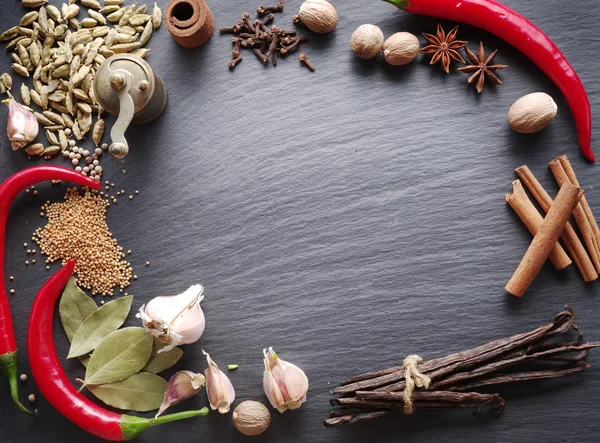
[[347, 217]]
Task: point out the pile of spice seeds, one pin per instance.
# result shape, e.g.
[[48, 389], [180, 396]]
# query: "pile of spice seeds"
[[61, 49], [77, 229], [266, 43]]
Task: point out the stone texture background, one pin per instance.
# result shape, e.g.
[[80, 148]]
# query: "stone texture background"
[[347, 217]]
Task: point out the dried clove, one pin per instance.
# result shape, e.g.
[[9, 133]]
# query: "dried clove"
[[266, 42], [236, 48], [304, 59], [232, 64]]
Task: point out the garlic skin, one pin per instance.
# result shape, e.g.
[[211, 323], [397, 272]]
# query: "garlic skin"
[[218, 387], [175, 320], [401, 48], [318, 16], [284, 383], [181, 386], [22, 126], [367, 41]]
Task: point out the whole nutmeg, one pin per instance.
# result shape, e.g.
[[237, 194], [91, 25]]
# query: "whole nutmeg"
[[251, 418], [401, 48], [318, 16], [532, 113], [367, 41]]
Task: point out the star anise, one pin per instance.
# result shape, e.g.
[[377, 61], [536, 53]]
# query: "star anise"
[[481, 68], [443, 47]]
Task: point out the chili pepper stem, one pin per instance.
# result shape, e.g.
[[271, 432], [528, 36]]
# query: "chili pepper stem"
[[133, 426], [8, 364], [398, 3]]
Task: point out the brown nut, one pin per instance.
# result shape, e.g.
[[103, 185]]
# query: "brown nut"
[[367, 41], [532, 113], [400, 48], [318, 16], [251, 418]]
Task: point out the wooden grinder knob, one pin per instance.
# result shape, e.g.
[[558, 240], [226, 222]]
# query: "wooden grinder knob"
[[190, 22]]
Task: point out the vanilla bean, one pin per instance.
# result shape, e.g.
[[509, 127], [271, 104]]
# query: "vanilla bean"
[[524, 376], [503, 364], [460, 360], [438, 396], [354, 418]]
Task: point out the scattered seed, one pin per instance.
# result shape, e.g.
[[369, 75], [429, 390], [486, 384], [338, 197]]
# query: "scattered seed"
[[23, 377], [31, 398]]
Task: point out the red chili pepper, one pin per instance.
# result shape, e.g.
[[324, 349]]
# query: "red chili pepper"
[[521, 33], [8, 191], [54, 384]]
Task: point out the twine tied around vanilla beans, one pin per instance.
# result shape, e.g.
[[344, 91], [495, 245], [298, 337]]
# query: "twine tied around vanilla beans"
[[413, 378]]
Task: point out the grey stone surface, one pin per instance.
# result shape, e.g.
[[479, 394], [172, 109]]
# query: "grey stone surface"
[[347, 217]]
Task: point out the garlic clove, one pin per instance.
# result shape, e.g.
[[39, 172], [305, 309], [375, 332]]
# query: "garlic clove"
[[176, 319], [181, 386], [218, 387], [22, 127], [285, 384]]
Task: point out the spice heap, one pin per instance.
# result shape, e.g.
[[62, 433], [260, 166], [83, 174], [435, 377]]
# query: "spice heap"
[[547, 230], [61, 49], [77, 230], [448, 382], [266, 43]]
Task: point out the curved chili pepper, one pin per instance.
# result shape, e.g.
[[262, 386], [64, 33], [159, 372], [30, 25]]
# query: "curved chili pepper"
[[54, 384], [521, 33], [8, 191]]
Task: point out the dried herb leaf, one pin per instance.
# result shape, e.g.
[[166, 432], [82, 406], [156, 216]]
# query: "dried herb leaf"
[[120, 355], [141, 392], [163, 361], [98, 325], [75, 306]]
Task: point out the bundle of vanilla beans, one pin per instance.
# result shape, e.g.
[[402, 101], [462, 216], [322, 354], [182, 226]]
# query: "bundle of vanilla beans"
[[550, 351]]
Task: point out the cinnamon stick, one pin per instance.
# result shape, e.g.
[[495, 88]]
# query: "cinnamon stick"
[[581, 217], [544, 241], [569, 237], [532, 219], [566, 164]]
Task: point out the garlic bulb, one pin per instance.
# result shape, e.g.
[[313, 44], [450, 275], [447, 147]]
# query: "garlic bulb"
[[181, 386], [175, 320], [218, 387], [284, 383], [318, 16], [22, 126]]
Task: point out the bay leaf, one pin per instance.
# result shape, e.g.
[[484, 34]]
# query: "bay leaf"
[[98, 325], [141, 392], [163, 361], [121, 354], [74, 307]]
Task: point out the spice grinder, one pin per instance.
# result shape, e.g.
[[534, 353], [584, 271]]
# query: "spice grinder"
[[126, 86]]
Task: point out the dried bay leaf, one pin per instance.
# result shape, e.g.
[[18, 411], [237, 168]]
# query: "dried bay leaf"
[[163, 361], [141, 392], [120, 355], [98, 325], [74, 307]]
